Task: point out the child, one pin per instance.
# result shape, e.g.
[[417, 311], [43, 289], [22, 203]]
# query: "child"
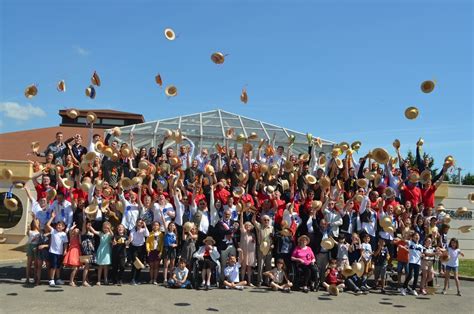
[[33, 237], [231, 274], [402, 258], [136, 240], [453, 264], [104, 251], [332, 275], [42, 256], [381, 256], [278, 278], [179, 278], [366, 256], [87, 248], [56, 249], [415, 250], [354, 248], [427, 262], [119, 254], [73, 252], [342, 252], [169, 249], [154, 248]]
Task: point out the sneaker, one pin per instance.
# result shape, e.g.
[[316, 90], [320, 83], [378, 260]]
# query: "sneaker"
[[403, 292], [305, 289], [98, 284], [383, 291], [459, 293], [155, 283], [359, 292], [414, 293], [444, 291], [423, 291], [52, 284], [133, 283], [59, 282], [286, 290], [239, 287], [86, 284]]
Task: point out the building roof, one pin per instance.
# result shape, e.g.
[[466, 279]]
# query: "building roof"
[[207, 128], [17, 145], [107, 113]]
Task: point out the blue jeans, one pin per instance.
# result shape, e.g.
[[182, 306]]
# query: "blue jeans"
[[172, 284]]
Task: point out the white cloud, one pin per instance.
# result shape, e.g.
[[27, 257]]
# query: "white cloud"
[[81, 51], [18, 112]]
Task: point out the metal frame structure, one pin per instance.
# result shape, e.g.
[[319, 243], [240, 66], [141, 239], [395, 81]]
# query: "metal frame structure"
[[208, 128]]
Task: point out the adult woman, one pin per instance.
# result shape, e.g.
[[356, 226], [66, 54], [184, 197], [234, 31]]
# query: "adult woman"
[[208, 257], [247, 249], [304, 258]]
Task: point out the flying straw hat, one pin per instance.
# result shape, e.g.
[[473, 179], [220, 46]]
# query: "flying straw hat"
[[91, 117], [338, 162], [291, 139], [51, 194], [209, 239], [470, 197], [125, 151], [309, 138], [174, 161], [347, 271], [171, 91], [449, 160], [396, 143], [7, 174], [241, 137], [370, 175], [247, 147], [90, 92], [427, 86], [356, 145], [230, 132], [461, 210], [218, 57], [99, 146], [358, 268], [177, 136], [95, 80], [61, 86], [465, 229], [31, 91], [72, 113], [288, 166], [116, 131], [304, 157], [362, 183], [333, 290], [324, 182], [11, 204], [19, 184], [274, 170], [310, 179], [377, 180], [425, 176], [322, 160], [238, 191], [414, 177], [119, 206], [108, 151], [447, 219], [244, 96], [35, 146], [411, 113], [336, 151], [67, 183], [126, 183], [269, 189], [318, 142], [158, 80], [389, 192], [328, 243], [359, 198], [253, 136], [143, 165], [394, 161], [286, 232], [389, 229], [98, 183], [385, 222], [380, 155], [344, 146], [170, 34]]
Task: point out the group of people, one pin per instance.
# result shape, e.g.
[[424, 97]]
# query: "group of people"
[[269, 217]]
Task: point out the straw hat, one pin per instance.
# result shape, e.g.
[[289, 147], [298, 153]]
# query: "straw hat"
[[274, 170], [51, 194], [143, 165], [67, 183], [362, 183], [265, 247], [238, 191], [229, 133], [95, 80], [385, 222], [35, 146], [291, 139], [347, 271], [444, 258], [170, 34], [209, 169], [370, 175], [91, 211], [126, 183], [318, 142], [411, 113], [158, 80], [269, 150], [286, 232], [86, 186], [303, 237], [427, 86], [310, 179], [116, 131], [470, 197], [188, 226], [209, 239], [72, 113], [394, 161], [174, 161], [171, 91], [253, 136], [119, 206], [337, 151], [447, 219], [449, 160], [31, 91], [328, 243], [389, 229], [137, 181], [218, 57], [107, 192], [304, 157], [244, 96], [247, 147], [177, 136], [269, 189], [241, 137], [377, 180], [125, 151], [465, 229], [414, 177], [11, 204], [322, 160], [338, 162], [288, 166], [61, 86], [440, 208], [344, 146], [263, 168], [99, 146], [396, 143], [380, 155], [91, 117], [333, 290], [359, 198], [85, 259], [324, 182], [7, 174], [242, 176], [356, 145], [108, 151], [90, 156], [285, 185], [425, 176], [19, 185], [389, 192], [316, 205], [138, 263], [90, 92], [358, 268]]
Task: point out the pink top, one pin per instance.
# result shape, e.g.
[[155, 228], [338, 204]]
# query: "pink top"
[[305, 254]]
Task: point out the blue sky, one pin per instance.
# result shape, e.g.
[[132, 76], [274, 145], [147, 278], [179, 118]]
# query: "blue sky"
[[342, 70]]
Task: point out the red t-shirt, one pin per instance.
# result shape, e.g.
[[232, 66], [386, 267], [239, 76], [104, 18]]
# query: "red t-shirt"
[[281, 206], [331, 278], [412, 194], [428, 196], [221, 195], [41, 191], [393, 202]]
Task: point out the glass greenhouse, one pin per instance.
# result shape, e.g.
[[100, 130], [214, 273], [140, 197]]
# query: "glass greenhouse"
[[206, 129]]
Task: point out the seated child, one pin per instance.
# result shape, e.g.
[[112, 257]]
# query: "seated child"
[[179, 278], [231, 274], [278, 278], [332, 276]]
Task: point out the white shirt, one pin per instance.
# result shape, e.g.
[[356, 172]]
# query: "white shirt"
[[42, 215], [453, 257], [57, 242], [232, 273], [138, 237], [168, 213], [366, 251], [63, 212], [414, 252], [130, 213]]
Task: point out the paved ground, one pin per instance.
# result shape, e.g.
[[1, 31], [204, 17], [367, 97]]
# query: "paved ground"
[[15, 297]]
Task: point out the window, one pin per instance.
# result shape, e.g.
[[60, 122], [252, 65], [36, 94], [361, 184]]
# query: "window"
[[112, 122], [9, 219]]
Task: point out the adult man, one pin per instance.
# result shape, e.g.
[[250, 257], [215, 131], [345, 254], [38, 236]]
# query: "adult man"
[[224, 236], [264, 232], [57, 148], [63, 210], [76, 149], [203, 159]]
